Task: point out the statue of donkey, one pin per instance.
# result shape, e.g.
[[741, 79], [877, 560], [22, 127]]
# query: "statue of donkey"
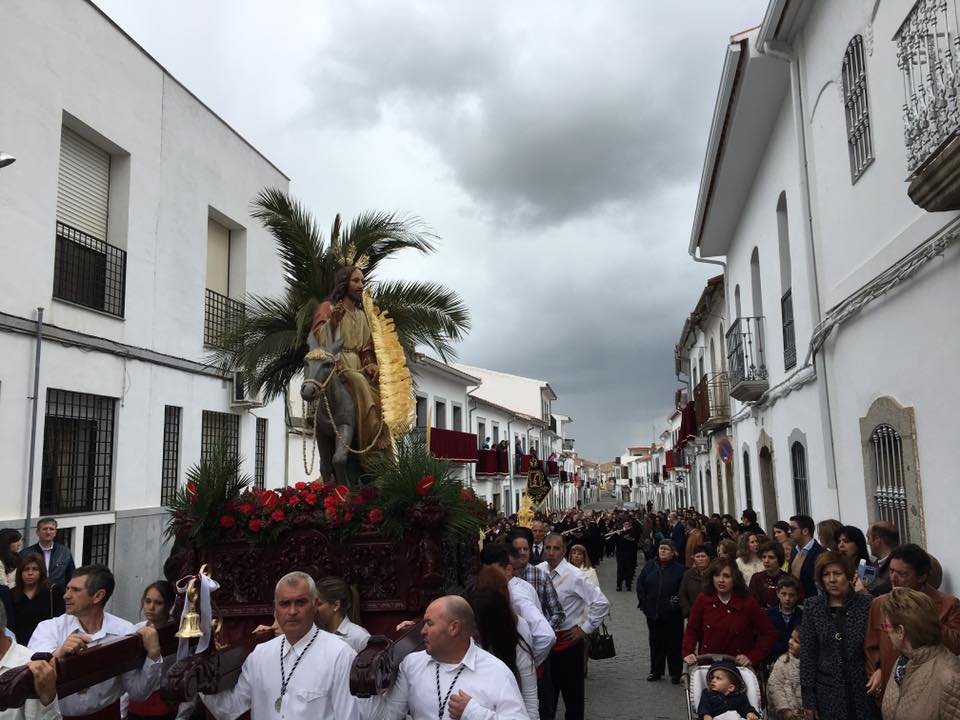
[[322, 385]]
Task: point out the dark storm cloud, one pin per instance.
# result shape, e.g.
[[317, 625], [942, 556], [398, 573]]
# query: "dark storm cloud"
[[544, 111], [554, 146]]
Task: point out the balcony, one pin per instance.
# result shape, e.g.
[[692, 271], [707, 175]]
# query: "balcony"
[[492, 462], [711, 398], [220, 314], [89, 272], [453, 445], [930, 66], [746, 359]]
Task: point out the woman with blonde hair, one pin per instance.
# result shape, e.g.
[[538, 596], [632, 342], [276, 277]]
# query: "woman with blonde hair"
[[925, 682], [581, 560]]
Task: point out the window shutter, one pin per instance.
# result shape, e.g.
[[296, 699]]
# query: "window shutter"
[[84, 188]]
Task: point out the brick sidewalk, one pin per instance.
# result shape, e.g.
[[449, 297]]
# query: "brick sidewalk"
[[617, 689]]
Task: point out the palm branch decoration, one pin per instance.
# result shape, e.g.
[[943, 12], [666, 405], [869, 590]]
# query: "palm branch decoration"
[[268, 340]]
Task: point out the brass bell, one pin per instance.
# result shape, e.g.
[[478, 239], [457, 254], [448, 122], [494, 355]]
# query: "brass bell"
[[190, 627]]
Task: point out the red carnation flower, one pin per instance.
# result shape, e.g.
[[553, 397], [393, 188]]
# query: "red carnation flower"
[[294, 500], [300, 485], [228, 521], [255, 525], [277, 515], [426, 482], [375, 516], [342, 493], [269, 499], [329, 501], [309, 498], [331, 511], [245, 508]]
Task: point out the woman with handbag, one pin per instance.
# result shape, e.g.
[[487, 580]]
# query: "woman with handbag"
[[658, 595], [33, 598]]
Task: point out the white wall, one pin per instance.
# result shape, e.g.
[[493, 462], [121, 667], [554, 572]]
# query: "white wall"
[[173, 161], [904, 344]]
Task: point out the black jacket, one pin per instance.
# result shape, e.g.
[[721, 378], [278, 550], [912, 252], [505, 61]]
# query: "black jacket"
[[656, 588], [713, 703]]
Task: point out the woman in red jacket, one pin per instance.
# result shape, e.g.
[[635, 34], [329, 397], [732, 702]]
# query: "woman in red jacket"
[[726, 620]]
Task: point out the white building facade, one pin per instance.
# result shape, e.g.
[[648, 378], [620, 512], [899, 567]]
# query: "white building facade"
[[126, 223], [828, 191]]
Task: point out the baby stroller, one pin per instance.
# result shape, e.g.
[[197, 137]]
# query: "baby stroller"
[[695, 682]]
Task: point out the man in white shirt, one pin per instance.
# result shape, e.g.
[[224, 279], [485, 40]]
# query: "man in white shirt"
[[13, 656], [453, 679], [576, 595], [303, 673], [86, 624], [523, 600]]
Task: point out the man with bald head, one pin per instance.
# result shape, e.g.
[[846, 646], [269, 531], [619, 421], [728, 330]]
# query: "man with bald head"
[[452, 678]]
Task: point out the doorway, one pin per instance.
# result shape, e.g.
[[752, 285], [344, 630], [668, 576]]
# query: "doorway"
[[768, 488]]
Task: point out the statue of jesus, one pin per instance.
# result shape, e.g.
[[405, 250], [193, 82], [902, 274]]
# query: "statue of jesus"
[[341, 315]]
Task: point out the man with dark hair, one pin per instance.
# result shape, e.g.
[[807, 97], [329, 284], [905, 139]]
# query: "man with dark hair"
[[86, 624], [748, 520], [882, 537], [626, 555], [584, 607], [520, 538], [909, 567], [803, 558], [57, 557]]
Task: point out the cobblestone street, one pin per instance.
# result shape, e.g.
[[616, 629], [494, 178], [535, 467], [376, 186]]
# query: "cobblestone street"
[[617, 689]]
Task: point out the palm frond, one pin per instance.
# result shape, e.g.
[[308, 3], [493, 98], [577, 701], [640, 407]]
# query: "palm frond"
[[425, 313]]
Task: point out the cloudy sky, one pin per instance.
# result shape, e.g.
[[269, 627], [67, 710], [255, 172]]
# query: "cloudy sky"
[[555, 147]]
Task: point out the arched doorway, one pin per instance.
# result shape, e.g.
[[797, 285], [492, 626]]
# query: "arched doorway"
[[768, 487]]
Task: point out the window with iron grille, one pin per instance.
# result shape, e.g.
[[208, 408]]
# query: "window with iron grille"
[[218, 428], [260, 454], [221, 315], [789, 333], [801, 489], [170, 470], [64, 536], [96, 544], [77, 469], [890, 493], [856, 108], [88, 271]]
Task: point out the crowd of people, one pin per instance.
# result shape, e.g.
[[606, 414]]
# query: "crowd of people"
[[837, 622]]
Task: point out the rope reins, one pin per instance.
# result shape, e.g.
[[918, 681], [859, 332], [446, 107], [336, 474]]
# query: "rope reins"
[[322, 387]]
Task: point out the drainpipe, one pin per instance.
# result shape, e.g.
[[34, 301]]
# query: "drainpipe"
[[33, 422], [823, 387]]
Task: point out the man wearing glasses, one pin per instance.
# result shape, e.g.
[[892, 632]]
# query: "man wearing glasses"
[[805, 551]]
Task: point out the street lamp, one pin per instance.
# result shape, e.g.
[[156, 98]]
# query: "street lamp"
[[6, 159]]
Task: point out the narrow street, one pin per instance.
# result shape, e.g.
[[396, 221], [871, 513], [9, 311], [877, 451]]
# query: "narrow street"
[[616, 689]]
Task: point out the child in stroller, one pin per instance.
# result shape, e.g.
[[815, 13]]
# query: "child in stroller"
[[722, 690]]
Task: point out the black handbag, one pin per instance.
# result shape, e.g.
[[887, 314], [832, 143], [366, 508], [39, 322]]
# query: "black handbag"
[[601, 644]]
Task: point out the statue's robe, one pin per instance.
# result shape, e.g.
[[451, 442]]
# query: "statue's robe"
[[357, 353]]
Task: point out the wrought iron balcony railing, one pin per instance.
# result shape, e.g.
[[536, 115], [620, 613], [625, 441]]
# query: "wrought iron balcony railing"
[[746, 359], [220, 314], [88, 271], [711, 400], [929, 61]]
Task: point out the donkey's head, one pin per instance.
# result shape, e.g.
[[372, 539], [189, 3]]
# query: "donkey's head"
[[318, 367]]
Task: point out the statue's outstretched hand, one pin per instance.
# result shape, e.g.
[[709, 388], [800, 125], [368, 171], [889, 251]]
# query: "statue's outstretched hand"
[[372, 371]]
